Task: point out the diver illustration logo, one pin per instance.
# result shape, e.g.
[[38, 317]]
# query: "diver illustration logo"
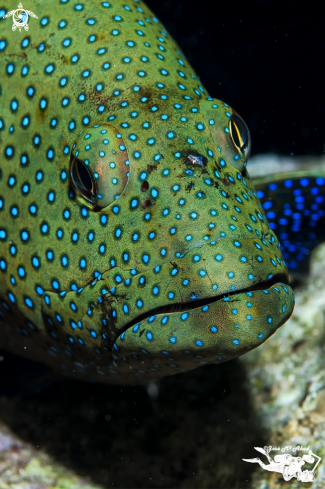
[[20, 18], [287, 465]]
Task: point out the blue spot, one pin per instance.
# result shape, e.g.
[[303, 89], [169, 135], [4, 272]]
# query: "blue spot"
[[304, 182], [25, 42], [21, 272], [320, 181], [24, 235], [11, 297], [49, 68], [288, 183], [55, 284], [29, 302], [35, 262]]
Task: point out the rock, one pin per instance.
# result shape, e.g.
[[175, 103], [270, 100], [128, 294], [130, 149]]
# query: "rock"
[[291, 369], [23, 466]]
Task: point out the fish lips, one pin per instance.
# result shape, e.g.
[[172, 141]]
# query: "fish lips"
[[227, 327]]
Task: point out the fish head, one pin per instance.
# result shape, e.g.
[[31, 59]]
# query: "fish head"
[[179, 266]]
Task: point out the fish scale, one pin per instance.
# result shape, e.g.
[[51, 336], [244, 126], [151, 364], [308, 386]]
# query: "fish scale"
[[133, 244]]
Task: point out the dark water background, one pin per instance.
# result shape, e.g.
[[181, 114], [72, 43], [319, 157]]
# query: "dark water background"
[[266, 59]]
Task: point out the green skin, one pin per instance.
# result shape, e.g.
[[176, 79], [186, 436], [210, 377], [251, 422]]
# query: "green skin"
[[91, 333]]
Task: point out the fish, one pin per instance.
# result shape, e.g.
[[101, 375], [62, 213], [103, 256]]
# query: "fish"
[[294, 206], [133, 242]]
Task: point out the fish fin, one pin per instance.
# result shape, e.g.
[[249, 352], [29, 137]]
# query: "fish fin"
[[294, 204], [252, 460]]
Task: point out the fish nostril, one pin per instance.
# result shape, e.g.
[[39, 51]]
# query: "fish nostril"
[[144, 186], [147, 203]]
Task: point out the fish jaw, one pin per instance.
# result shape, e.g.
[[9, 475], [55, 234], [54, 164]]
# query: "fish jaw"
[[223, 326]]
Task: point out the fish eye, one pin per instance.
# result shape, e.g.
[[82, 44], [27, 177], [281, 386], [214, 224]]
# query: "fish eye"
[[82, 179], [240, 136], [99, 166], [228, 130]]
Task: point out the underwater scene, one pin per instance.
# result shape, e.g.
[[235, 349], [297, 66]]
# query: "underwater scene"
[[162, 255]]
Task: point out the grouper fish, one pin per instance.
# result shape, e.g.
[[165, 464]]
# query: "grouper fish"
[[133, 244]]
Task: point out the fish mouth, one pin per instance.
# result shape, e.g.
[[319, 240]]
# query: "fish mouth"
[[195, 303]]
